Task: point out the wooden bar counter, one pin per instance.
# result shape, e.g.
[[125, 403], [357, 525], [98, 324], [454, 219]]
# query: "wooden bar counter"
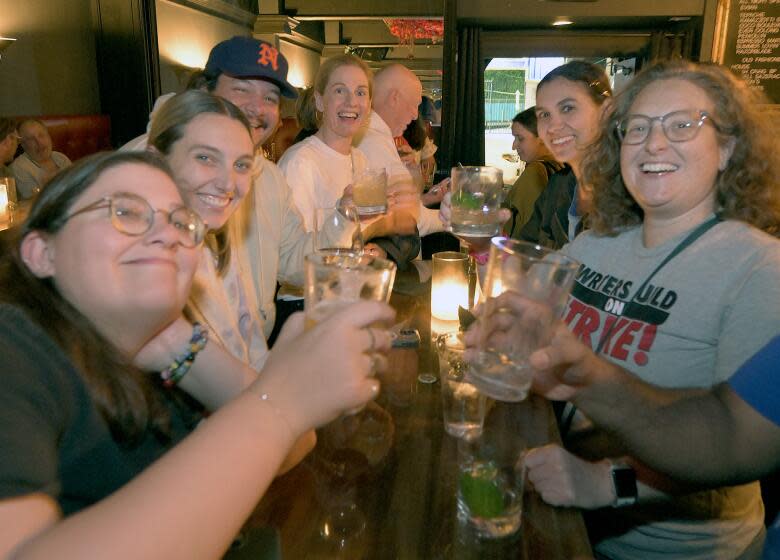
[[382, 485]]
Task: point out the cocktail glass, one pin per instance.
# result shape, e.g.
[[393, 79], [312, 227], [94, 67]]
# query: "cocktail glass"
[[476, 199], [337, 228], [369, 192]]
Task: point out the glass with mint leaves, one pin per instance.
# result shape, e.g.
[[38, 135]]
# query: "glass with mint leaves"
[[491, 479], [477, 193]]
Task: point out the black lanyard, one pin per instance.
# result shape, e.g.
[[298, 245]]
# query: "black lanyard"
[[684, 244]]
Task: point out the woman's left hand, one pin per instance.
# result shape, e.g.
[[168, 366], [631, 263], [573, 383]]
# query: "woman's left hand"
[[562, 479]]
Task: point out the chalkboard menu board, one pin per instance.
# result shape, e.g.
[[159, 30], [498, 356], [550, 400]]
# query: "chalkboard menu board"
[[752, 46]]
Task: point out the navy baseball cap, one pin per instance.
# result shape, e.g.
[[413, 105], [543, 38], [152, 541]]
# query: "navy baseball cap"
[[247, 57]]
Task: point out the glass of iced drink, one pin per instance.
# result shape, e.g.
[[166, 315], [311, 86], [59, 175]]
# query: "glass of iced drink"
[[525, 289], [369, 192], [335, 279], [491, 479], [476, 199]]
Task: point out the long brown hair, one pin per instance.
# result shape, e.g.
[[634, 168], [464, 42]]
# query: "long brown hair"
[[168, 127], [123, 394], [590, 75], [746, 190]]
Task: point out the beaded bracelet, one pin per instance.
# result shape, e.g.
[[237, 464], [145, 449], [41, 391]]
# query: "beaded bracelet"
[[181, 365]]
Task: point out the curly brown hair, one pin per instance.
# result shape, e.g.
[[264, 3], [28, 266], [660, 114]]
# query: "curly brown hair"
[[746, 190]]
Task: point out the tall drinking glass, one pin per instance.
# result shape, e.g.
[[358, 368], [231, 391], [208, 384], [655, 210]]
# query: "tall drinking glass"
[[491, 477], [537, 282], [337, 228], [476, 199], [462, 404], [332, 281]]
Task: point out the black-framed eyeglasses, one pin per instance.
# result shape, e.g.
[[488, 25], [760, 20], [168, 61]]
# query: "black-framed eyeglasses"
[[133, 215], [678, 126]]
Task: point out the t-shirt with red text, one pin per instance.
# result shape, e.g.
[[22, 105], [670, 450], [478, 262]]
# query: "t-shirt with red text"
[[699, 318]]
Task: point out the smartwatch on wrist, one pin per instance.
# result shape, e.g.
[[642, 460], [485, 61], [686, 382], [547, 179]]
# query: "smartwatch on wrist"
[[624, 484]]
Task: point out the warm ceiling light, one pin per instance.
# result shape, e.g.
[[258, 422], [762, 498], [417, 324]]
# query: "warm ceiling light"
[[562, 21]]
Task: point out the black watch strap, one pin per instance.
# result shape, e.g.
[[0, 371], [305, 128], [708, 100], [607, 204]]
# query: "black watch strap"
[[624, 484]]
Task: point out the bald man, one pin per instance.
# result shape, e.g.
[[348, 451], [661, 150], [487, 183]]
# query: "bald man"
[[397, 95]]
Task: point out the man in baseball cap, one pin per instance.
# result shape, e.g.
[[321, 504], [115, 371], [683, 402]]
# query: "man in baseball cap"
[[246, 57], [252, 74]]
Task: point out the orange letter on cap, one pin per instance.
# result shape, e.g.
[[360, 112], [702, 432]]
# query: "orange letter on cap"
[[268, 55]]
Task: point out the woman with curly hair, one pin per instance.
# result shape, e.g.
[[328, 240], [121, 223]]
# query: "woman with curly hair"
[[679, 283]]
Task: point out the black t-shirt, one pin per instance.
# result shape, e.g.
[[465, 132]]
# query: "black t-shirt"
[[52, 437]]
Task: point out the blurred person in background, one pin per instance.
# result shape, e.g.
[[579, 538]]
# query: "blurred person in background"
[[39, 162], [540, 165], [9, 142]]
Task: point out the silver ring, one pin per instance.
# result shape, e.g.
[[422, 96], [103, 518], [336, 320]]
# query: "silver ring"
[[373, 342]]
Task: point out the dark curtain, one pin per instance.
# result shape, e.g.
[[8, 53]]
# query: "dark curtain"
[[128, 63], [469, 115], [444, 156]]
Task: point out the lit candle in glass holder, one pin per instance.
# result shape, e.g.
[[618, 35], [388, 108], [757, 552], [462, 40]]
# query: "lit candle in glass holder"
[[449, 285]]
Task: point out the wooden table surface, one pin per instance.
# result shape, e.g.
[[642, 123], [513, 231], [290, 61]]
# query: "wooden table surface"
[[383, 485]]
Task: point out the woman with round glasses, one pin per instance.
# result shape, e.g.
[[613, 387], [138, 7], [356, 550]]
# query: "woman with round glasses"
[[96, 456], [679, 283]]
